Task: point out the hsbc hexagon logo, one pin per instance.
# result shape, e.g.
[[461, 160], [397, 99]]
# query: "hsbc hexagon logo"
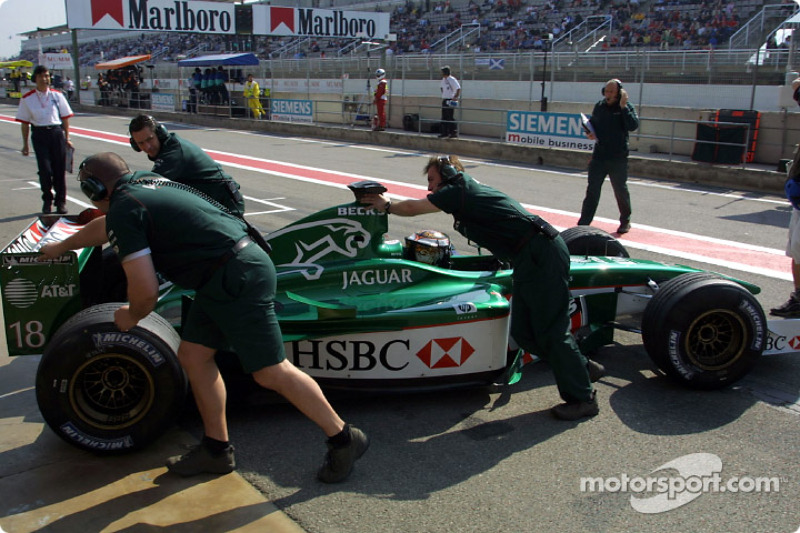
[[795, 343], [446, 353]]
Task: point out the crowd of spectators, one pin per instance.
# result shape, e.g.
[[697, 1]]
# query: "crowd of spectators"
[[505, 25]]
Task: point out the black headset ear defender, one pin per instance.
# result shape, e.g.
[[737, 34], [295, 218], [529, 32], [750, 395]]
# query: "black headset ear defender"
[[159, 129], [92, 187], [619, 88], [446, 169]]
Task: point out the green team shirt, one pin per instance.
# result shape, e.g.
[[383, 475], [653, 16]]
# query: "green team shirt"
[[611, 126], [185, 234], [484, 215], [185, 162]]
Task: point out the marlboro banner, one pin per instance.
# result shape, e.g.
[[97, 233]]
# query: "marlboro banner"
[[320, 23], [152, 15]]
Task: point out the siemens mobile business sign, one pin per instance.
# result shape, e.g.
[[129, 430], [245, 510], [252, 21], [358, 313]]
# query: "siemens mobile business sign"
[[309, 22], [547, 130], [292, 110], [151, 15]]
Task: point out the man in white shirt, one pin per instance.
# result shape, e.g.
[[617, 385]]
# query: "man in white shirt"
[[47, 112], [451, 90]]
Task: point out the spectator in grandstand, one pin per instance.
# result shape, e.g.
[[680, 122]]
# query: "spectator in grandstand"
[[612, 118], [451, 90], [791, 309]]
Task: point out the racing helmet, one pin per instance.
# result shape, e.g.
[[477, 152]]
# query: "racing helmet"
[[429, 246], [380, 73]]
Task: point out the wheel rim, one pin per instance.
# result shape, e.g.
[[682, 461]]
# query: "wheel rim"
[[112, 391], [715, 340]]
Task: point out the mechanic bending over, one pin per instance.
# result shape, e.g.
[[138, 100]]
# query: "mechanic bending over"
[[540, 304], [157, 224], [175, 159]]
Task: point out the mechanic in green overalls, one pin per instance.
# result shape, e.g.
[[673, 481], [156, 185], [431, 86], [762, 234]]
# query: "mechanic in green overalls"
[[176, 159], [185, 162], [540, 305], [158, 225]]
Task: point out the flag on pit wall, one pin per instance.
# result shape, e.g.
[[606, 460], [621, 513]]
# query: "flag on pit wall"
[[497, 64]]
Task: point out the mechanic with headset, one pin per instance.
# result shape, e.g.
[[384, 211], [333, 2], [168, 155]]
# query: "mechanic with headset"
[[176, 159], [791, 308], [158, 225], [612, 118], [381, 97], [540, 319], [185, 162]]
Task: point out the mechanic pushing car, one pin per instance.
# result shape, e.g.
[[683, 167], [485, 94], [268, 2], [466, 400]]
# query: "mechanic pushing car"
[[175, 159], [540, 303], [158, 224]]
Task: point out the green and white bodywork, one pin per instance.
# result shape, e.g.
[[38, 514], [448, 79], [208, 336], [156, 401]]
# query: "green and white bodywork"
[[355, 314]]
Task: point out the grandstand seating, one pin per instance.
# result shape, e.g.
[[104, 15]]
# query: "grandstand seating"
[[506, 25]]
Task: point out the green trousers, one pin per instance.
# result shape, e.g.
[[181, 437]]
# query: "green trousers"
[[540, 320]]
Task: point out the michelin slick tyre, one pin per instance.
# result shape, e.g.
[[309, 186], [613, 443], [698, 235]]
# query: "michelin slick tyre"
[[587, 240], [704, 331], [107, 391]]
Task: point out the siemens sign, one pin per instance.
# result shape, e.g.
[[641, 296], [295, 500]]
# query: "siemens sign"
[[292, 110], [547, 130]]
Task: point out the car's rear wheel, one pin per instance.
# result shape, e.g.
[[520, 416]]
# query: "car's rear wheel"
[[108, 391], [587, 240], [704, 331]]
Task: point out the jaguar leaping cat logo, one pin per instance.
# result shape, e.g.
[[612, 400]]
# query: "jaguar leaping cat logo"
[[319, 240]]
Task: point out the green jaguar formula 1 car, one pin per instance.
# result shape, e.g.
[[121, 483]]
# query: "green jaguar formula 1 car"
[[357, 312]]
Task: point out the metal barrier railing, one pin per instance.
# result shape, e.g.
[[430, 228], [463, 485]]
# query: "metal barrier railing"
[[491, 122]]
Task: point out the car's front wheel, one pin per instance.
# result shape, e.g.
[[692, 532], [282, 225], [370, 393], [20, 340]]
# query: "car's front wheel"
[[109, 391]]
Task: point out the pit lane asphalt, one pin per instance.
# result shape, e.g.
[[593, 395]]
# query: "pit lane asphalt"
[[477, 460]]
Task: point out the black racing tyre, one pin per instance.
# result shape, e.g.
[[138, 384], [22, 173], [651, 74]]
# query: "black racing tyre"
[[587, 240], [107, 391], [704, 331]]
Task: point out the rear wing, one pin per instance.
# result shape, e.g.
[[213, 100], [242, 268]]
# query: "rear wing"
[[38, 297]]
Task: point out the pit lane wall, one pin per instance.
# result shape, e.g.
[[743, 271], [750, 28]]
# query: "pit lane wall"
[[479, 139]]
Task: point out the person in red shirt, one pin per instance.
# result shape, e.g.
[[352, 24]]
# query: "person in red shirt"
[[381, 97]]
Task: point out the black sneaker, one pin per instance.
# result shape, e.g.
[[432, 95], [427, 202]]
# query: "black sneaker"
[[624, 228], [199, 460], [791, 309], [576, 410], [339, 461], [62, 209], [47, 207], [596, 370]]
